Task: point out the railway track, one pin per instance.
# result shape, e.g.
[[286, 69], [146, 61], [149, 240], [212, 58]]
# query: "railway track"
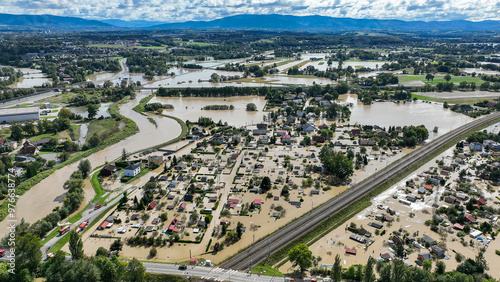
[[294, 230]]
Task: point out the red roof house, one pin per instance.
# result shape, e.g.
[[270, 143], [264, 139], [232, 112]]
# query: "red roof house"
[[193, 261], [428, 187], [470, 218], [350, 251], [458, 226], [152, 205], [481, 201]]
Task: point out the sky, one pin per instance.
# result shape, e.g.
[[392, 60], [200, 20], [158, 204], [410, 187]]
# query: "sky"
[[202, 10]]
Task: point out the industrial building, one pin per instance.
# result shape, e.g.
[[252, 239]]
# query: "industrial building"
[[19, 114]]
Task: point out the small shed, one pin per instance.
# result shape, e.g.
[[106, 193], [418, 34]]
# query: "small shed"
[[193, 261]]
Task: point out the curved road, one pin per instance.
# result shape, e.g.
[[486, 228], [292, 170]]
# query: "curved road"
[[281, 238]]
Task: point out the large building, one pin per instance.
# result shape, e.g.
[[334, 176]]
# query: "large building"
[[19, 114]]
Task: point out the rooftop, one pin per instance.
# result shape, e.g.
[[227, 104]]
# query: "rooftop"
[[18, 111]]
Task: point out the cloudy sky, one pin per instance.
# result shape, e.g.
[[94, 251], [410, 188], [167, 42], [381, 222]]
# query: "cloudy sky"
[[184, 10]]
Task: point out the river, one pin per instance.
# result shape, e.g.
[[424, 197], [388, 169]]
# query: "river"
[[46, 195]]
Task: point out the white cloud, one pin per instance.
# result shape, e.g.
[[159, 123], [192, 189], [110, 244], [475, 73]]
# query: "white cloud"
[[184, 10]]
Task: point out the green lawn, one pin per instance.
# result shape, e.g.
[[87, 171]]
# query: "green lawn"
[[103, 128], [440, 78], [34, 138], [266, 270], [422, 97], [97, 186]]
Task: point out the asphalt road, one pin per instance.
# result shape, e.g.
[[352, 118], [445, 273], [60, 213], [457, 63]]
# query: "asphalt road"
[[206, 272], [281, 238]]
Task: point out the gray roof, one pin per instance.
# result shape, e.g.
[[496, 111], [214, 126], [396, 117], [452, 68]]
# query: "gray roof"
[[133, 166], [18, 111]]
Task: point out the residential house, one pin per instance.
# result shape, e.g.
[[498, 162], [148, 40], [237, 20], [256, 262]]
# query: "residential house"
[[259, 132], [155, 160], [427, 239], [355, 131], [280, 132], [424, 256], [236, 138], [29, 150], [108, 170], [290, 119], [182, 207], [218, 138], [476, 146], [438, 250], [264, 139], [286, 138], [470, 218], [318, 139], [180, 166], [11, 144], [258, 202], [152, 205], [132, 170], [366, 142], [450, 199], [261, 126], [308, 128]]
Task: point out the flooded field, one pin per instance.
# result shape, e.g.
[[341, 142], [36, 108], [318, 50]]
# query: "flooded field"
[[31, 78], [387, 114], [190, 109], [103, 111]]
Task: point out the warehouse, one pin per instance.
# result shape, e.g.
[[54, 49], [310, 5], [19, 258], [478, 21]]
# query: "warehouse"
[[18, 114]]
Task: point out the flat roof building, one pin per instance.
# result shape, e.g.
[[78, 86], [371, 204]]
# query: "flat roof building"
[[19, 114]]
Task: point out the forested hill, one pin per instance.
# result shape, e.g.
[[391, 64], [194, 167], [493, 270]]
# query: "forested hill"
[[261, 22], [49, 22], [321, 23]]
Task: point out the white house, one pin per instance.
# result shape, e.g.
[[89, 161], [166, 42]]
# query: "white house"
[[476, 146], [132, 170]]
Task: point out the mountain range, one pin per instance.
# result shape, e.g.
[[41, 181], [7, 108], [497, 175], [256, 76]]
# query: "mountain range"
[[267, 22]]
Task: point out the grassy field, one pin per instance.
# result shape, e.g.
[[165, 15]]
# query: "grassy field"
[[201, 44], [284, 63], [140, 107], [104, 128], [38, 137], [440, 78], [99, 191]]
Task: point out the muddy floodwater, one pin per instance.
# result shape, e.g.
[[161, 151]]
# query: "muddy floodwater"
[[387, 114], [46, 195], [190, 109]]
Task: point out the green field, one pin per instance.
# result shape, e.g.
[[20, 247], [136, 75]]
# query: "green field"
[[103, 128], [439, 78]]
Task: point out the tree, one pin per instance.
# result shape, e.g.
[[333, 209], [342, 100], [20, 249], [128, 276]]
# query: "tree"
[[111, 269], [337, 270], [153, 252], [102, 252], [92, 110], [239, 229], [28, 253], [124, 155], [135, 271], [251, 107], [85, 167], [429, 77], [301, 255], [75, 246], [16, 132], [368, 275], [64, 113], [266, 184], [94, 140], [336, 163], [427, 265], [447, 77], [440, 267], [117, 246]]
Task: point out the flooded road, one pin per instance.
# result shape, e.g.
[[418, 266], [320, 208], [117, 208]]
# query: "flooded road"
[[46, 195]]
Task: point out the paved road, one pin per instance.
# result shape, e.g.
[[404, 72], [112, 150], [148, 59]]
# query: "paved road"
[[212, 273], [281, 238]]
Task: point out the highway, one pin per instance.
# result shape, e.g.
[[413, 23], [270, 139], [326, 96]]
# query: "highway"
[[281, 238]]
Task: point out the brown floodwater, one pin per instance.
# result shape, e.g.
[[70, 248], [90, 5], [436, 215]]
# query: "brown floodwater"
[[46, 195], [31, 78], [190, 109], [387, 114]]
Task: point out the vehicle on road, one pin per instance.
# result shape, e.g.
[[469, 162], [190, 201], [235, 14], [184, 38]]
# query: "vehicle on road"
[[183, 267]]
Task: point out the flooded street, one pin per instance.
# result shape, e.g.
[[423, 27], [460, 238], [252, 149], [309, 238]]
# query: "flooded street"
[[46, 195], [190, 109]]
